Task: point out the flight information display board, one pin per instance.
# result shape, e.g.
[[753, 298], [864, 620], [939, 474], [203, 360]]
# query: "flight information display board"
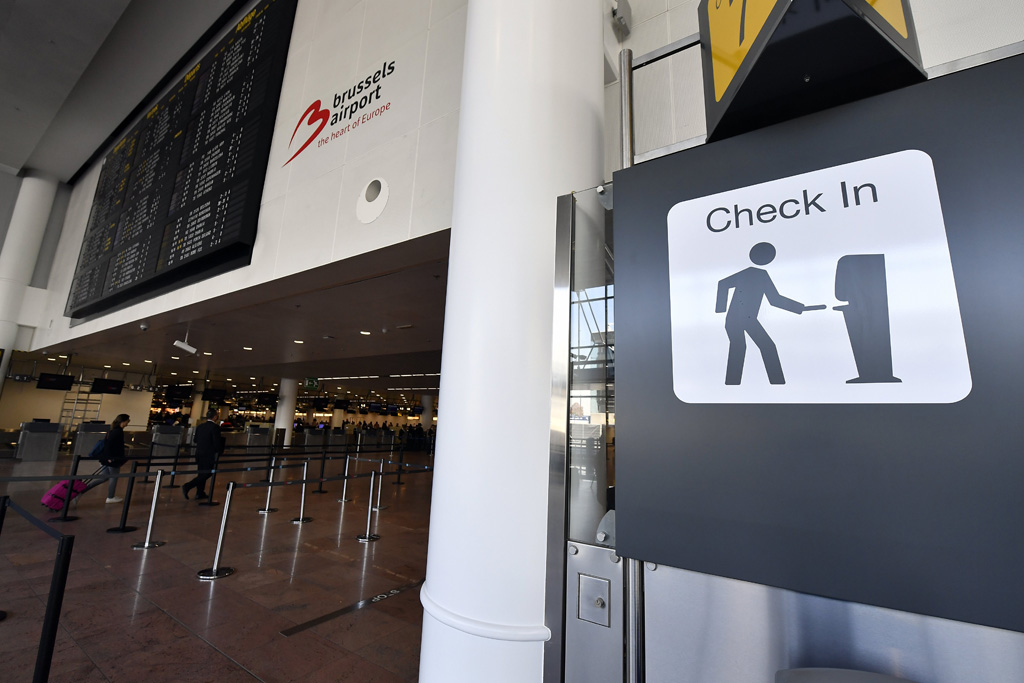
[[178, 197]]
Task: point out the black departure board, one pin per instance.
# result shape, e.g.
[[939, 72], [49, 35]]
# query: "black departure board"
[[179, 195]]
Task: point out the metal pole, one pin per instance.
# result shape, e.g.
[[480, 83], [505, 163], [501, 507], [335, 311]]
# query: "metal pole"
[[380, 487], [368, 537], [401, 462], [344, 488], [323, 463], [174, 467], [266, 508], [626, 105], [64, 517], [123, 527], [217, 572], [149, 543], [634, 574], [53, 604], [302, 519]]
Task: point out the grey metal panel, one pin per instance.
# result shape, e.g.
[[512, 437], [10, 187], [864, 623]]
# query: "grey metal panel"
[[593, 653], [702, 628], [554, 599]]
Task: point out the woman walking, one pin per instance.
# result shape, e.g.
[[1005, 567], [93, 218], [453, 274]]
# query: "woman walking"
[[112, 458]]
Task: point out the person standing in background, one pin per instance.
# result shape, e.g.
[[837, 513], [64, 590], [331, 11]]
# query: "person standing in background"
[[209, 444]]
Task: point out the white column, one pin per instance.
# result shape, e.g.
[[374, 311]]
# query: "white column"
[[198, 415], [287, 393], [19, 256], [427, 417], [530, 129]]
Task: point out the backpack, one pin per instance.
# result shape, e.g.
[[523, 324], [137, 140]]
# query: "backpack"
[[99, 451]]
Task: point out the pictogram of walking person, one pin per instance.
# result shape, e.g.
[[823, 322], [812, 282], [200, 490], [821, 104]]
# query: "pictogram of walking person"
[[752, 286]]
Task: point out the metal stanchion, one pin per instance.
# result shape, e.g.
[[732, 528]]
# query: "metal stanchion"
[[323, 463], [123, 527], [217, 572], [174, 468], [51, 618], [64, 516], [301, 519], [344, 488], [401, 461], [270, 458], [210, 502], [380, 487], [149, 543], [266, 508], [368, 537]]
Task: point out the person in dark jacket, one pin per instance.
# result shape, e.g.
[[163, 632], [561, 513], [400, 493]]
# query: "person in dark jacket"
[[112, 459], [209, 444]]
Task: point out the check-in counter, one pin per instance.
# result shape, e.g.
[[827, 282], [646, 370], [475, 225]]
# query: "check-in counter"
[[86, 437], [39, 441]]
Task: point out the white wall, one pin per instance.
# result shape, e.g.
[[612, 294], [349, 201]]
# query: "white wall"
[[22, 402], [308, 216]]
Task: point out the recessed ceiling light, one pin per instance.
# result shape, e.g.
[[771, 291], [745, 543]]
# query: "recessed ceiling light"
[[252, 378], [364, 332], [175, 358], [61, 356], [228, 379], [174, 373], [207, 353], [51, 359], [147, 361], [106, 366], [247, 348], [195, 372]]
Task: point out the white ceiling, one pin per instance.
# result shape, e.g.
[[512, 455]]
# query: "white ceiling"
[[70, 74]]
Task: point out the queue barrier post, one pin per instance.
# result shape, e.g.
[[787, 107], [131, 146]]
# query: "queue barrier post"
[[218, 572], [149, 542], [323, 464], [266, 510], [123, 527], [210, 502], [174, 468], [344, 487], [380, 487], [302, 519], [368, 537], [401, 463]]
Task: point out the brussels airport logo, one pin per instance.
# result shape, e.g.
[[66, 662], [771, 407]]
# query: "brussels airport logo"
[[358, 105], [839, 279]]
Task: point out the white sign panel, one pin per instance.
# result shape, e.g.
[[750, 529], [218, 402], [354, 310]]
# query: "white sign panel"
[[833, 286]]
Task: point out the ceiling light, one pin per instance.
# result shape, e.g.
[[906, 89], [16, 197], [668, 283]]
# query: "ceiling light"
[[364, 332], [51, 359], [175, 358], [174, 373], [299, 341], [61, 356], [207, 353], [147, 361], [247, 348], [228, 379], [252, 378], [106, 366], [195, 372], [126, 364]]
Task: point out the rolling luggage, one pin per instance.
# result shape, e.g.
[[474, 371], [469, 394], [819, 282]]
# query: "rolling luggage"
[[54, 498]]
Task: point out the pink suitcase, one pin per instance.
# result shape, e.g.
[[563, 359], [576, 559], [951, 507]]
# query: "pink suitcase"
[[54, 498]]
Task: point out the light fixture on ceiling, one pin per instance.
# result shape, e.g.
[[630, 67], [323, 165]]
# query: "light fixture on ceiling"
[[247, 348], [364, 332], [299, 341]]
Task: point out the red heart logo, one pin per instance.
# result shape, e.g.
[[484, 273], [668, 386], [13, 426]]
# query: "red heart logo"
[[314, 113]]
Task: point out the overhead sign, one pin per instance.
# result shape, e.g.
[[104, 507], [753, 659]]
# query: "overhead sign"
[[732, 27], [833, 286]]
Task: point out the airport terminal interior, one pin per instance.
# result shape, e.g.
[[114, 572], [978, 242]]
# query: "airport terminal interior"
[[375, 243]]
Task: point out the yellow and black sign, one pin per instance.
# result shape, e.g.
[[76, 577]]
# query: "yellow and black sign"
[[769, 60]]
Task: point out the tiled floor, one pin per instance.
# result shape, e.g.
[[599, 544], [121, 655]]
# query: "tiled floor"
[[144, 615]]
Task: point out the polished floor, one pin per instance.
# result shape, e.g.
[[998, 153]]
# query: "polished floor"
[[144, 615]]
